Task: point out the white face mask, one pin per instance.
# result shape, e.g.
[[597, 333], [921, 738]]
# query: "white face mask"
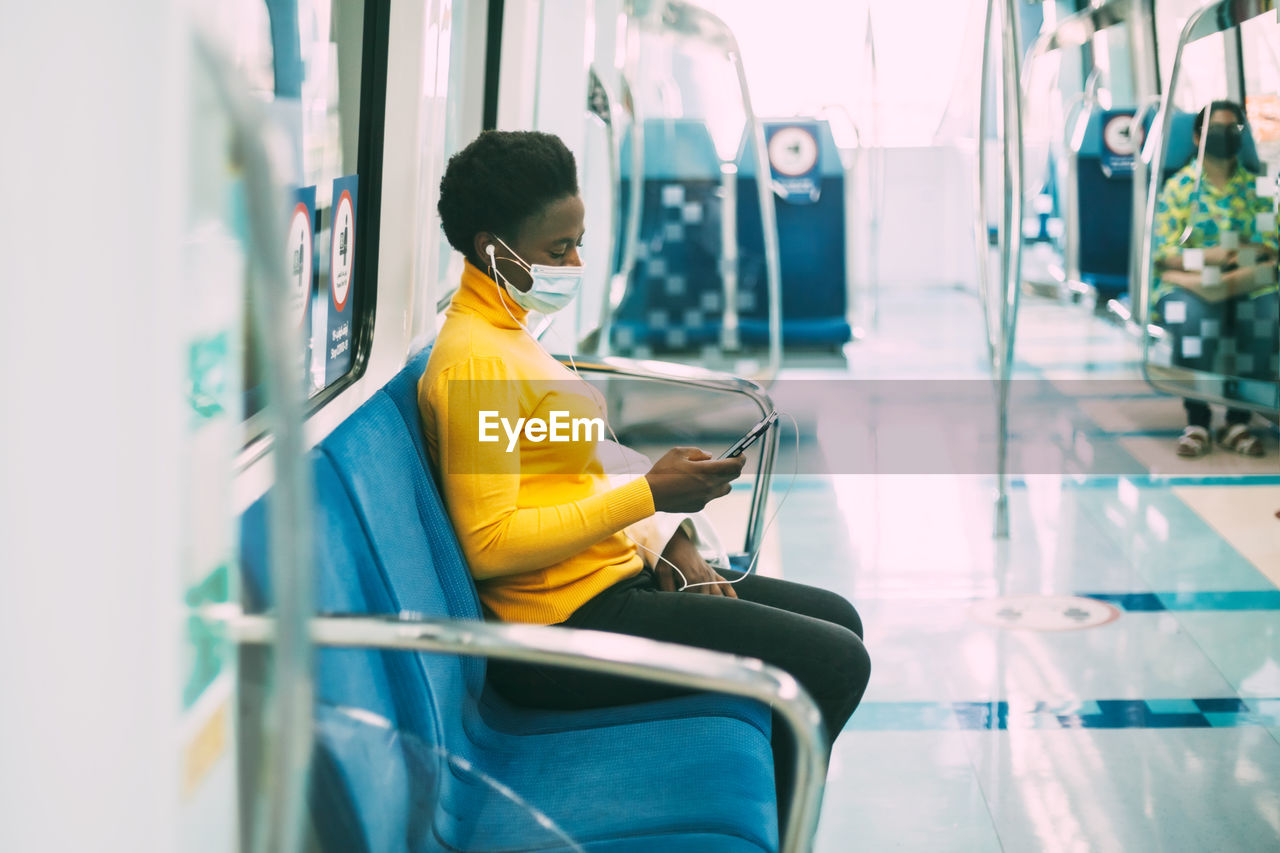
[[552, 289]]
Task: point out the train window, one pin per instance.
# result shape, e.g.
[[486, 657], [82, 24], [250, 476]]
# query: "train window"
[[319, 66], [1204, 63]]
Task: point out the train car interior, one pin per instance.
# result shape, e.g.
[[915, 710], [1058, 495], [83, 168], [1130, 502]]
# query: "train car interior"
[[978, 301]]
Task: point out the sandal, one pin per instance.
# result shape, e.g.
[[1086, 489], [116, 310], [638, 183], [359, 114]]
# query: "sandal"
[[1237, 437], [1193, 442]]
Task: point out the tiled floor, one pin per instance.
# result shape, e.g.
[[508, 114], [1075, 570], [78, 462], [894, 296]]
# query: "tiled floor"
[[1159, 731]]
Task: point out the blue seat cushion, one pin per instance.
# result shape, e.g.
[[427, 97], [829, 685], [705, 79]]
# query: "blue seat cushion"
[[627, 781]]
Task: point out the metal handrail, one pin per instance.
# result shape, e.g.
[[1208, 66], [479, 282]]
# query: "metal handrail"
[[710, 380], [1206, 21], [590, 651], [290, 543]]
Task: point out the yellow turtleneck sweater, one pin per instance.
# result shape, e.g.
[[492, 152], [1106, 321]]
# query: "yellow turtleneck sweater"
[[539, 525]]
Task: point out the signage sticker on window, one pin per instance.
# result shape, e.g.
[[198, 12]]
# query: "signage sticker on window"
[[301, 267], [342, 256]]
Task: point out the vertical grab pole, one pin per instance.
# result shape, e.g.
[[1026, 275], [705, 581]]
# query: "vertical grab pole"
[[994, 340], [631, 233], [768, 216], [607, 114], [980, 197], [279, 825], [1146, 80], [875, 175], [1011, 251], [1143, 175]]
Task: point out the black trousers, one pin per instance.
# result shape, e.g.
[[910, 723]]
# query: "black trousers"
[[813, 634], [1199, 414]]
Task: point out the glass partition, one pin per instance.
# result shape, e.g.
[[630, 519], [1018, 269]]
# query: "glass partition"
[[1213, 313], [688, 297]]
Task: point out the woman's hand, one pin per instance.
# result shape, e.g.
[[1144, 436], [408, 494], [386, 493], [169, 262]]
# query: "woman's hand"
[[684, 554], [686, 479], [1217, 256], [1244, 280]]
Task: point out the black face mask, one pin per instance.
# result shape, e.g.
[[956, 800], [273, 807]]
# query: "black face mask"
[[1223, 141]]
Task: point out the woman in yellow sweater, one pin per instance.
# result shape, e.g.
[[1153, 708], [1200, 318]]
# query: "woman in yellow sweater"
[[547, 539]]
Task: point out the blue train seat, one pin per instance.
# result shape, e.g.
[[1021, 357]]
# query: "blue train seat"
[[811, 237], [384, 544], [673, 298]]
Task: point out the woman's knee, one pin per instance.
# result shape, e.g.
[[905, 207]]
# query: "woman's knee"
[[838, 609], [848, 675], [858, 669]]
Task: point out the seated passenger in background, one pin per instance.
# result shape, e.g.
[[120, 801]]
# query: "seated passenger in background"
[[1215, 295], [548, 540]]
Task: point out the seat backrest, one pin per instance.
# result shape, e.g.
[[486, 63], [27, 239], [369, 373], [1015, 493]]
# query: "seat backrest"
[[414, 550], [459, 588], [361, 791], [346, 581]]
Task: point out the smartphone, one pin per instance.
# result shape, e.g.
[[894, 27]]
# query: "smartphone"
[[751, 436]]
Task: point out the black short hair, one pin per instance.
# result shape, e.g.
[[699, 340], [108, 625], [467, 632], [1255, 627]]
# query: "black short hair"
[[500, 180], [1201, 116]]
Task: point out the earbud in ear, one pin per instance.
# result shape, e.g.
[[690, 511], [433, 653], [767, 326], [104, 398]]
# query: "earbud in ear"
[[489, 250]]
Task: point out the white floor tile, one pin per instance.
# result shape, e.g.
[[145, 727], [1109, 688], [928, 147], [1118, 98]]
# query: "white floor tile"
[[1131, 789]]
